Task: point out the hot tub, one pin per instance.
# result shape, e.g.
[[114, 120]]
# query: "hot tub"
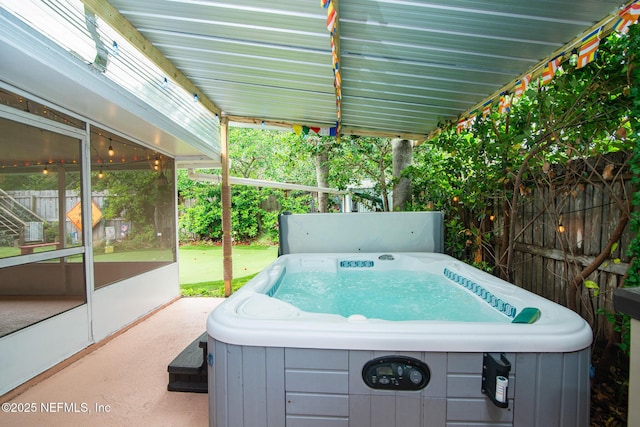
[[274, 364]]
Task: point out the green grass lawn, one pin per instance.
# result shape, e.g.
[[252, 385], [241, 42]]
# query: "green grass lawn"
[[201, 267]]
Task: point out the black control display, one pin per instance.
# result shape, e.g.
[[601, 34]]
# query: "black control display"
[[396, 373]]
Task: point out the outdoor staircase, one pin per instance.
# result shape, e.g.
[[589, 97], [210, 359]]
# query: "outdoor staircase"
[[18, 222], [188, 371]]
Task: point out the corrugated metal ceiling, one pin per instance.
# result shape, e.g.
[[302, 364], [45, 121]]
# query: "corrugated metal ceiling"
[[405, 65]]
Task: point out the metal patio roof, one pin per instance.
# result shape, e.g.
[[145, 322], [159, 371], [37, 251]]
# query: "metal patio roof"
[[406, 66]]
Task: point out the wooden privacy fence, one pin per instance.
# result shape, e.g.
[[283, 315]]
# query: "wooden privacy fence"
[[561, 229]]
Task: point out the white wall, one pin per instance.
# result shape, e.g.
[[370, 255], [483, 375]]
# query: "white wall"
[[32, 350], [118, 305], [26, 353]]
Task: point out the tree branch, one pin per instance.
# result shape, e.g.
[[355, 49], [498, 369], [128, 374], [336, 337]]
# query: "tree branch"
[[572, 289]]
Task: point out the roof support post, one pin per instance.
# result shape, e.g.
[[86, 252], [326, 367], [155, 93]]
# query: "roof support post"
[[227, 270]]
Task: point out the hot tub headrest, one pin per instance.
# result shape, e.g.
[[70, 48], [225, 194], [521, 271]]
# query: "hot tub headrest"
[[361, 232], [527, 315]]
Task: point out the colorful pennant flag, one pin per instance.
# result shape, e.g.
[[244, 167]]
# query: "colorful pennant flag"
[[331, 17], [521, 85], [628, 17], [322, 131], [334, 55], [329, 131], [466, 123], [505, 104], [589, 48], [332, 26], [486, 109], [472, 118], [550, 69]]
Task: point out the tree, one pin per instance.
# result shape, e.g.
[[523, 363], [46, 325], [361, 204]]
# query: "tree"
[[258, 154], [138, 196], [270, 155], [402, 157], [358, 158]]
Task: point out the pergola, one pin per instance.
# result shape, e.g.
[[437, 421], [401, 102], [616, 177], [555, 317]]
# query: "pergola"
[[372, 67], [386, 68], [380, 68]]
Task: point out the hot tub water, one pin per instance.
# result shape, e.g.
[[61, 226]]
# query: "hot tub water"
[[389, 295]]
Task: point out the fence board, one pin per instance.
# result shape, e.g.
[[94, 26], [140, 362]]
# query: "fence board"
[[545, 260]]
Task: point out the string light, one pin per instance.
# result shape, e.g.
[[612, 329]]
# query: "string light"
[[111, 152], [100, 174], [45, 171], [561, 228]]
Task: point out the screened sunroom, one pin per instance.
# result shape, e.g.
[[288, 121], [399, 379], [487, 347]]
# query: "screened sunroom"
[[91, 135]]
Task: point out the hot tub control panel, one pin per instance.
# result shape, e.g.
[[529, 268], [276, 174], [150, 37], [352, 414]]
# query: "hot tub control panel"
[[396, 373]]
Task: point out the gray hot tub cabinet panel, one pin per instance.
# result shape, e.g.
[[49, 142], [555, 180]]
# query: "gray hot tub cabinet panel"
[[277, 387]]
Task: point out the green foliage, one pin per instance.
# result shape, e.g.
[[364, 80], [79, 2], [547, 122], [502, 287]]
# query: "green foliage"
[[270, 155], [245, 206], [582, 112], [6, 239], [201, 209], [203, 215], [50, 230], [137, 196], [358, 159], [35, 181], [455, 238], [257, 154], [283, 157]]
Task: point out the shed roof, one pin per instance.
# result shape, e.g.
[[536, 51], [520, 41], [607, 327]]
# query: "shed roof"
[[406, 65]]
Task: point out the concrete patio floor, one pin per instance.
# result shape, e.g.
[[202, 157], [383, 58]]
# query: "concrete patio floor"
[[123, 382]]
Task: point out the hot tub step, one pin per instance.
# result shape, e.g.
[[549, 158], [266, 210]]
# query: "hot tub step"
[[188, 371]]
